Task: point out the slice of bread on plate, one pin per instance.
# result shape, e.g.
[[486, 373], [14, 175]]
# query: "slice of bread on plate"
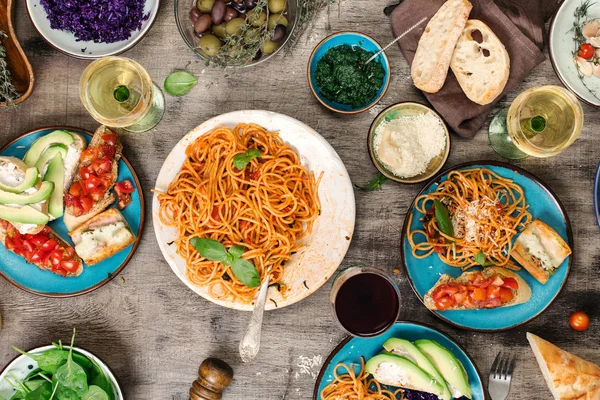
[[568, 377], [540, 250], [480, 63], [434, 52], [102, 236]]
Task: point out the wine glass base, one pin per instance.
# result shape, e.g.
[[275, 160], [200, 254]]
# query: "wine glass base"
[[500, 140], [155, 114]]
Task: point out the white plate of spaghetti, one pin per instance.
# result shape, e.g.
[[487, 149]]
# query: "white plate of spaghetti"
[[487, 205], [271, 191]]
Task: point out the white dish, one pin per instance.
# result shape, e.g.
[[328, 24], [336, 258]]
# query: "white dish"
[[323, 250], [20, 367], [561, 46], [66, 42]]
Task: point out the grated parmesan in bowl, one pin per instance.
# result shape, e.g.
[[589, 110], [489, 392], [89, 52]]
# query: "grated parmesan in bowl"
[[406, 145]]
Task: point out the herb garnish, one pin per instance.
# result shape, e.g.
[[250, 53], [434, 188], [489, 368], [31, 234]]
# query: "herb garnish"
[[480, 259], [443, 219], [241, 160], [243, 269], [8, 92], [375, 183], [179, 83]]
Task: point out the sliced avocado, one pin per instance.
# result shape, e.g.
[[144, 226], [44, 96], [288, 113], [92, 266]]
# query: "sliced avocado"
[[42, 194], [398, 371], [24, 215], [31, 178], [404, 348], [56, 174], [49, 154], [448, 365], [37, 148]]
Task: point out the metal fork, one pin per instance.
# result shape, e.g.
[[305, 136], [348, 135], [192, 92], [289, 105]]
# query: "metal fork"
[[500, 376]]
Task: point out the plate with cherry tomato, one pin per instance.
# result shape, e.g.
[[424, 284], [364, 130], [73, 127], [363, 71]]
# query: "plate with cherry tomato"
[[423, 273], [68, 275]]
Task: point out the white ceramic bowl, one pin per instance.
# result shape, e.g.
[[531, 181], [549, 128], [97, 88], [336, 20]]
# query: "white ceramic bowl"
[[65, 41], [561, 47], [20, 367]]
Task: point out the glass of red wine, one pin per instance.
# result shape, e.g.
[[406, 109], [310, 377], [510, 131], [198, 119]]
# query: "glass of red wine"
[[365, 301]]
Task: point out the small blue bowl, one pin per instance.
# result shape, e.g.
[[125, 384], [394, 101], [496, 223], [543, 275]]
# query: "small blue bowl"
[[351, 39]]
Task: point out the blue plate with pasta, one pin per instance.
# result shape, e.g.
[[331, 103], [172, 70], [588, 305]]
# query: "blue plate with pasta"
[[518, 197], [42, 282]]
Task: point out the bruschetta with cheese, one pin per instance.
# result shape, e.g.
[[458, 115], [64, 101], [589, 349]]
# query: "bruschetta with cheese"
[[540, 250], [491, 288], [90, 193], [102, 236], [45, 249]]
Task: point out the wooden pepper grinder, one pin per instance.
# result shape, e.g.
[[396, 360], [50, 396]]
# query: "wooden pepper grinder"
[[214, 375]]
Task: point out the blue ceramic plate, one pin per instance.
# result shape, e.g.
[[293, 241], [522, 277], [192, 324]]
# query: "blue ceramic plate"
[[352, 39], [32, 279], [353, 348], [543, 204]]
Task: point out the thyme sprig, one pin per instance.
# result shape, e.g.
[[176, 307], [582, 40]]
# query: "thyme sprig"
[[581, 17], [8, 92]]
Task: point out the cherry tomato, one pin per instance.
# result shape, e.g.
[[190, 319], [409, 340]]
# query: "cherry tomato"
[[124, 201], [87, 203], [479, 294], [49, 245], [85, 172], [443, 303], [101, 166], [70, 266], [27, 245], [56, 257], [89, 155], [506, 295], [92, 182], [124, 187], [110, 138], [38, 256], [586, 51], [493, 292], [38, 239], [107, 151], [579, 321], [511, 283], [75, 189]]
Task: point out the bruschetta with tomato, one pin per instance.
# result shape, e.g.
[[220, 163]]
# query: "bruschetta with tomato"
[[45, 249], [491, 288], [90, 193]]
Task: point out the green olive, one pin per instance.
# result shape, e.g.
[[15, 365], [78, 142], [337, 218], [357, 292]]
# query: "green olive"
[[209, 45], [269, 46], [251, 35], [277, 19], [257, 18], [205, 5], [276, 6], [234, 27], [219, 30]]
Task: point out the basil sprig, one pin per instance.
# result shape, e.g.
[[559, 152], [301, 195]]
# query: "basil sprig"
[[443, 219], [241, 160], [243, 269], [480, 259], [375, 183]]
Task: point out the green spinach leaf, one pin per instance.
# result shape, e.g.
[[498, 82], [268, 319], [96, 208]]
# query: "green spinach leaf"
[[179, 83], [246, 272], [95, 393], [70, 379], [241, 160], [43, 392], [443, 219], [480, 259], [375, 183], [48, 361]]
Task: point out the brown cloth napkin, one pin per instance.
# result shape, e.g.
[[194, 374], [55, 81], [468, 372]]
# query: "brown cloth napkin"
[[519, 24]]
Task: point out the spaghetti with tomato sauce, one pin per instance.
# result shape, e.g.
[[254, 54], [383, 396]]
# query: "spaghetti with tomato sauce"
[[267, 206]]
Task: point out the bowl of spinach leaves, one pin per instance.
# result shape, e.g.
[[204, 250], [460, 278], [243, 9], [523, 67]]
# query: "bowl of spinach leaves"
[[58, 372]]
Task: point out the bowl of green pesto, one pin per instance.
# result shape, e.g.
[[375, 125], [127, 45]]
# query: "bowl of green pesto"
[[340, 77]]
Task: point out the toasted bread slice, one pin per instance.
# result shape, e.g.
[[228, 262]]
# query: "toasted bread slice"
[[102, 236], [568, 377], [434, 52], [481, 67], [540, 250], [71, 221], [71, 161], [521, 295], [59, 240]]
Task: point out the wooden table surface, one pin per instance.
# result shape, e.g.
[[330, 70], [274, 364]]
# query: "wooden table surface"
[[154, 331]]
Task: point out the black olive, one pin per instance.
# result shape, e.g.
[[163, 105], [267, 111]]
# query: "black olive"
[[257, 56], [194, 14], [239, 7], [279, 33], [230, 14], [218, 12], [251, 3]]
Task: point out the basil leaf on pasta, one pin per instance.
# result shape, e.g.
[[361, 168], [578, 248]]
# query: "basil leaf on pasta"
[[246, 272], [241, 160], [236, 251], [480, 259], [443, 219], [210, 249]]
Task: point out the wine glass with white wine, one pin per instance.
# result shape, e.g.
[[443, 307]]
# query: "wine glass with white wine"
[[540, 122], [119, 93]]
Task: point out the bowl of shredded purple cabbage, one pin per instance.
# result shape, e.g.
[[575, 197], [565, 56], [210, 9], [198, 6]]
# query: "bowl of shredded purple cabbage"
[[92, 28]]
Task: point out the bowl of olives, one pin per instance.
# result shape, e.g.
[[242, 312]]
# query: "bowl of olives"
[[236, 33]]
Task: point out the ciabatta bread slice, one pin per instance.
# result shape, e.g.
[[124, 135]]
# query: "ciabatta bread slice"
[[480, 63], [434, 52], [568, 377]]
